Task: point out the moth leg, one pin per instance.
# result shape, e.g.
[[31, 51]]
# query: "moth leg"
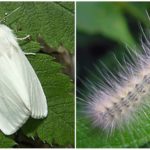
[[29, 53], [24, 38]]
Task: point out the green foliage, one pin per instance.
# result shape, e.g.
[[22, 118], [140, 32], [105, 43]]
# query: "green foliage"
[[99, 18], [54, 23], [5, 142], [135, 135], [108, 19], [59, 125]]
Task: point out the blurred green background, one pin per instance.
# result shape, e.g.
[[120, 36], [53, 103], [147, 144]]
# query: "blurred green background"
[[105, 29]]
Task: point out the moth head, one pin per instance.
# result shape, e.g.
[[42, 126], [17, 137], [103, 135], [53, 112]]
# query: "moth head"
[[4, 29], [8, 41], [5, 32]]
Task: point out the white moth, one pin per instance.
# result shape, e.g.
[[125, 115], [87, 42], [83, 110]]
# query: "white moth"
[[21, 94]]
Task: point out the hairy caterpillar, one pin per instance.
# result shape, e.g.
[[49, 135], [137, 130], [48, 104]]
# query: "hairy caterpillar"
[[117, 101]]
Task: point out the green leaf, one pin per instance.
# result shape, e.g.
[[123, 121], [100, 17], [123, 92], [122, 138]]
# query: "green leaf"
[[137, 10], [103, 18], [5, 142], [67, 5], [52, 21], [59, 125], [135, 135]]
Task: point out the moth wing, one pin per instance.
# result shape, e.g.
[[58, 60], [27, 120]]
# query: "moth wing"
[[37, 98], [21, 94], [13, 111], [36, 101]]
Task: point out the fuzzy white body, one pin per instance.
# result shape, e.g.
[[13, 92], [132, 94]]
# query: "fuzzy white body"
[[21, 94], [118, 100]]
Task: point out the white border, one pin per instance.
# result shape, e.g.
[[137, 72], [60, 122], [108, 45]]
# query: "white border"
[[75, 58], [75, 75]]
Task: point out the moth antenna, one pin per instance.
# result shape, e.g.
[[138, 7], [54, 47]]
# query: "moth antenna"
[[9, 14]]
